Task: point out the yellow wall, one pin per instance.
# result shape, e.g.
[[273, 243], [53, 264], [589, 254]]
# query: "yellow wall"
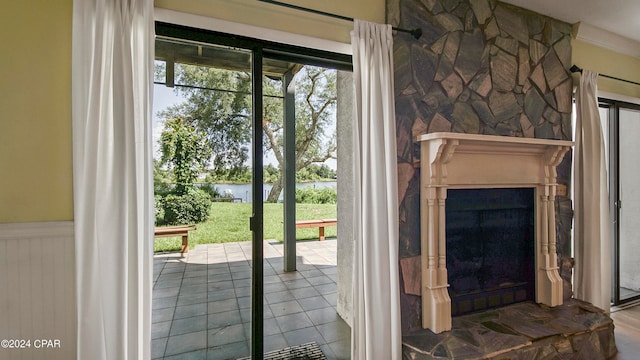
[[35, 111], [604, 61], [35, 78], [276, 17], [35, 81]]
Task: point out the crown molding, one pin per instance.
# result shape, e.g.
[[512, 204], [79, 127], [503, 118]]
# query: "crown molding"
[[608, 40]]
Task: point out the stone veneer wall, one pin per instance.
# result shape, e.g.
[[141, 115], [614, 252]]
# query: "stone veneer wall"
[[481, 67]]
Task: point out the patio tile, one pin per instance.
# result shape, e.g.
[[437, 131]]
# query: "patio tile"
[[188, 325], [220, 320], [173, 268], [193, 289], [168, 292], [341, 348], [275, 287], [215, 280], [161, 303], [170, 276], [272, 279], [157, 348], [236, 275], [200, 271], [214, 277], [269, 272], [228, 351], [313, 303], [335, 331], [226, 335], [274, 342], [162, 315], [241, 282], [244, 302], [190, 311], [303, 336], [245, 315], [240, 266], [278, 297], [193, 355], [292, 275], [305, 267], [216, 267], [214, 307], [331, 298], [296, 284], [271, 327], [330, 271], [190, 299], [160, 330], [323, 315], [243, 291], [225, 294], [305, 292], [196, 280], [220, 285], [311, 273], [293, 322], [285, 308], [326, 288], [319, 280], [276, 263], [186, 343]]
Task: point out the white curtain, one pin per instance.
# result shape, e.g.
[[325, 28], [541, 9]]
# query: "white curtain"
[[376, 331], [592, 217], [112, 75]]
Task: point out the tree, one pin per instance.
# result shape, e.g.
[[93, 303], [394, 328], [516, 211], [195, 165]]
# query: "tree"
[[315, 101], [218, 103], [185, 151]]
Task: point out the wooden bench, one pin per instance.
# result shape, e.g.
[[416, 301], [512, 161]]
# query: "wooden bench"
[[176, 231], [320, 224]]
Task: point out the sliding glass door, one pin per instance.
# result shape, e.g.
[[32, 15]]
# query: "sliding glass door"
[[252, 100], [624, 126]]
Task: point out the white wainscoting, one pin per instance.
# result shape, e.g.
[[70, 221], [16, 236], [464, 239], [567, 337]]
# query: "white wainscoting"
[[37, 290]]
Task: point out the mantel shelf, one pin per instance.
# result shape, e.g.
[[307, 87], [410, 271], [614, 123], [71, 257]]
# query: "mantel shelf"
[[493, 143]]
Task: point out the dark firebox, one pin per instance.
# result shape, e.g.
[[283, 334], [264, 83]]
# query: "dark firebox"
[[490, 247]]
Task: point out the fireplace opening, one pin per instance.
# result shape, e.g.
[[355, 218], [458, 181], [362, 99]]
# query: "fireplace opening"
[[490, 239]]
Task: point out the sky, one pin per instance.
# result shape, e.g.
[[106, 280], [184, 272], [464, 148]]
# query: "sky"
[[163, 97]]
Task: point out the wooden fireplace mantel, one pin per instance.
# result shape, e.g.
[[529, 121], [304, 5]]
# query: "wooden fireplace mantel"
[[464, 161]]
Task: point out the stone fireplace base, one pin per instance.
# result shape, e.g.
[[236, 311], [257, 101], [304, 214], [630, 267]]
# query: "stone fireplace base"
[[574, 330]]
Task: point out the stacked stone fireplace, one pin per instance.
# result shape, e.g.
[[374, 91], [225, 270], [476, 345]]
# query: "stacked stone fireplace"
[[452, 161]]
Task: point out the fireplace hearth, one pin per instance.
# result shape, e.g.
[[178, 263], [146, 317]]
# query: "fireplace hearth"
[[452, 161]]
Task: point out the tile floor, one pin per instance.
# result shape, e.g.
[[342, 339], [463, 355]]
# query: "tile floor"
[[201, 302]]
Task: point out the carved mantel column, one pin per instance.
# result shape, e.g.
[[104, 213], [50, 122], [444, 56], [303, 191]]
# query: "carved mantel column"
[[463, 161]]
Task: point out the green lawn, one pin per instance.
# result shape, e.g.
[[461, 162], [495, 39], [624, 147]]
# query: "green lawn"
[[229, 222]]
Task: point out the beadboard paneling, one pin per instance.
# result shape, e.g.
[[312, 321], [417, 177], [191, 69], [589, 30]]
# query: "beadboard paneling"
[[37, 290]]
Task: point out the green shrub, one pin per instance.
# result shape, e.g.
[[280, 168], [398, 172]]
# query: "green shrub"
[[159, 209], [210, 189], [316, 196], [190, 208]]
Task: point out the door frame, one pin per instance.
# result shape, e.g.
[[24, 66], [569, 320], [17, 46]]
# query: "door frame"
[[613, 111], [260, 49]]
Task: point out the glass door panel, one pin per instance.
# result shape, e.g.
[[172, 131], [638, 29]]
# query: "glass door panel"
[[300, 270], [203, 117], [629, 203]]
